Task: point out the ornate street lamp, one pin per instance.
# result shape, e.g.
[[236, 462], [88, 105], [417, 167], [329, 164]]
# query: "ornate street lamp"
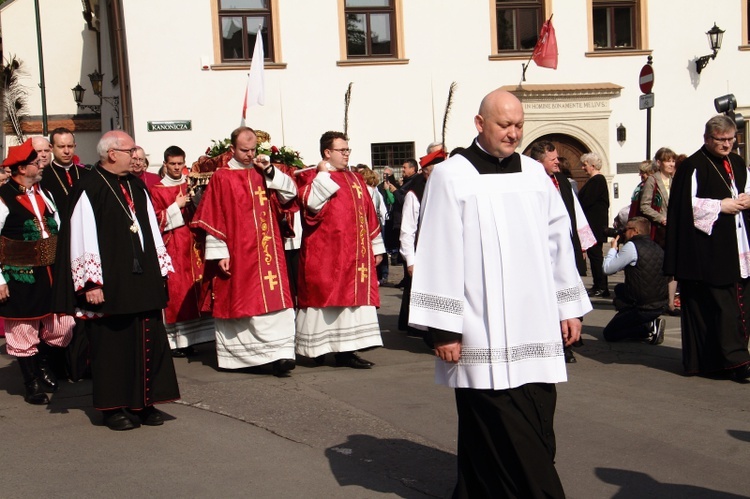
[[715, 35]]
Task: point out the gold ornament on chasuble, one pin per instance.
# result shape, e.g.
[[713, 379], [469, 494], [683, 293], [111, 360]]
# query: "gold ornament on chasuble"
[[270, 273], [363, 264]]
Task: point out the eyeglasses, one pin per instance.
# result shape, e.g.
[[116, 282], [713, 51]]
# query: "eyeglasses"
[[130, 151], [721, 140], [343, 151]]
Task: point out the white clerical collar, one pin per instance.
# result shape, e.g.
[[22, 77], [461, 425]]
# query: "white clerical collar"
[[170, 182], [66, 167], [233, 164]]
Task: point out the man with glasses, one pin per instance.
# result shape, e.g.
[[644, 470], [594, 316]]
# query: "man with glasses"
[[341, 246], [62, 172], [245, 261], [642, 298], [114, 273], [28, 238], [708, 252], [140, 169]]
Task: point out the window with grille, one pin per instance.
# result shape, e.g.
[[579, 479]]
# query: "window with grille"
[[391, 154]]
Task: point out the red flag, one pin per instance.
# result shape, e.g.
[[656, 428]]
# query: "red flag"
[[545, 51]]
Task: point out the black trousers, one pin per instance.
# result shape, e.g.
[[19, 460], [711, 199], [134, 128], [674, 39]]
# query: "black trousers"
[[506, 443], [714, 326], [596, 259], [630, 322]]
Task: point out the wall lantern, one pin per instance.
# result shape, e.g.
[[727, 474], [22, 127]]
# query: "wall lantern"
[[715, 35], [96, 85], [622, 133]]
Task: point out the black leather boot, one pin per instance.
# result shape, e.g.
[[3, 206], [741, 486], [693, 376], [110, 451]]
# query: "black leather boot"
[[34, 391], [46, 372]]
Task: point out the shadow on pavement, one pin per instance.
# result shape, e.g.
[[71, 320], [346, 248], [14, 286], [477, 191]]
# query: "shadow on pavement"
[[739, 435], [394, 466], [641, 485], [660, 357]]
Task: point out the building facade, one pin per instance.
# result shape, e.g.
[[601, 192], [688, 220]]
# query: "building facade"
[[175, 72]]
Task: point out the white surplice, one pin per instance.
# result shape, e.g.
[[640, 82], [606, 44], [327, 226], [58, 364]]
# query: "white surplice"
[[495, 263]]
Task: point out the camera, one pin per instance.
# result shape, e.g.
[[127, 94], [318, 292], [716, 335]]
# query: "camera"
[[614, 231]]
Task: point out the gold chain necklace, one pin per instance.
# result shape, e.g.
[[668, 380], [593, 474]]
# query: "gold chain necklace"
[[731, 192], [130, 213], [62, 184]]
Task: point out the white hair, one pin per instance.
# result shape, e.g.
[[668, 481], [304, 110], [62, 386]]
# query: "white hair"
[[433, 145], [107, 142]]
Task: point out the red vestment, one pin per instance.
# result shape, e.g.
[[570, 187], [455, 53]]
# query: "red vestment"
[[236, 208], [337, 264], [186, 251]]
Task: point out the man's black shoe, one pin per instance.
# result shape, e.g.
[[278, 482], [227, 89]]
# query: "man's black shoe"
[[657, 331], [117, 420], [351, 359], [151, 416], [179, 353], [599, 293], [282, 367], [569, 357], [741, 374]]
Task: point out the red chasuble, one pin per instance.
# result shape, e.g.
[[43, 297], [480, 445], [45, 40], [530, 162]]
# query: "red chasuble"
[[186, 251], [236, 209], [337, 265]]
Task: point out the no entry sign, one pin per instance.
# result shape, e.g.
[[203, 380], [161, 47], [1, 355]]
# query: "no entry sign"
[[646, 79]]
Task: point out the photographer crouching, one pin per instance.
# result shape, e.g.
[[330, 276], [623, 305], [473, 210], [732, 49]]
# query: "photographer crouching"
[[642, 298]]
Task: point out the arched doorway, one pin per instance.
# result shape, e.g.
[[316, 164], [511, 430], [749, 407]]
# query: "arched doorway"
[[571, 149]]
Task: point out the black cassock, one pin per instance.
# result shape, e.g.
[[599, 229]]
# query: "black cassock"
[[131, 364], [715, 301]]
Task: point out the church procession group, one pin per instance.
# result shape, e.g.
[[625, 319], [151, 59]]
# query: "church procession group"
[[110, 271]]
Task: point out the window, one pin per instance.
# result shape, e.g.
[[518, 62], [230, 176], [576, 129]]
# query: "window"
[[239, 24], [614, 24], [370, 28], [518, 24], [391, 154]]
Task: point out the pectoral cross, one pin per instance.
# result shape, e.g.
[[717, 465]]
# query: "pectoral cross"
[[261, 193], [358, 189], [271, 278], [362, 273]]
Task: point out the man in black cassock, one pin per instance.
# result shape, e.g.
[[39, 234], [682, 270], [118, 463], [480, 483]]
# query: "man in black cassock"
[[708, 252], [115, 275]]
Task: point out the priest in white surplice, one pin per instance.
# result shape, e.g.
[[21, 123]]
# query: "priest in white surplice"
[[495, 280]]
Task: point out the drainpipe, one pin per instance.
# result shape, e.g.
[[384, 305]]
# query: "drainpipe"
[[122, 68]]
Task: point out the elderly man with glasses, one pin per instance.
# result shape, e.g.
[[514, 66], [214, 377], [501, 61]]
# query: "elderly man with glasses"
[[642, 298], [113, 269], [708, 252]]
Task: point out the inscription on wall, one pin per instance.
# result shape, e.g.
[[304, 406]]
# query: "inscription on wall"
[[583, 105]]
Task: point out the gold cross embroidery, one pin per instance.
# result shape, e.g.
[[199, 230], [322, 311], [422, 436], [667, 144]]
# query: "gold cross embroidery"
[[261, 193], [362, 273], [271, 278], [358, 189]]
